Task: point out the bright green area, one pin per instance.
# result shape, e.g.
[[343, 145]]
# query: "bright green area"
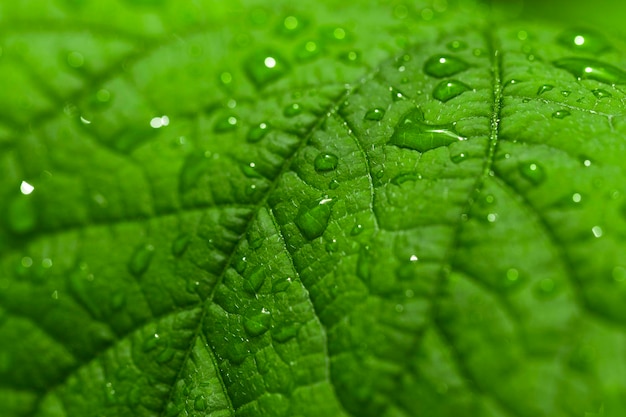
[[313, 208]]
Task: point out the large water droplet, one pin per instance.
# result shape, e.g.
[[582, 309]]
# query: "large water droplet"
[[413, 133], [589, 69], [140, 260], [544, 89], [448, 89], [582, 40], [600, 93], [532, 172], [325, 162], [561, 114], [312, 220], [265, 66], [440, 66], [256, 133], [375, 114], [257, 323]]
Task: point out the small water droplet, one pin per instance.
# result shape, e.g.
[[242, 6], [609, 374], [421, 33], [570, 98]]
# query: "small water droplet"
[[312, 220], [356, 229], [257, 324], [265, 66], [597, 231], [258, 132], [250, 170], [544, 89], [396, 95], [600, 93], [577, 198], [449, 89], [533, 172], [413, 133], [375, 114], [180, 244], [307, 50], [325, 162], [200, 403], [561, 114], [440, 66], [512, 274], [583, 40], [254, 281], [492, 217], [457, 45], [292, 110], [350, 57], [333, 184], [281, 285], [405, 177], [332, 246], [75, 59], [140, 260], [225, 124], [458, 158], [226, 78], [103, 95], [589, 69]]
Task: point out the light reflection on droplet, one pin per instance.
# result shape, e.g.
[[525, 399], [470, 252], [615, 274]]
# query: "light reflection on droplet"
[[26, 188], [46, 263], [27, 261], [577, 198], [158, 122], [269, 62], [579, 40], [85, 121], [597, 231], [413, 258]]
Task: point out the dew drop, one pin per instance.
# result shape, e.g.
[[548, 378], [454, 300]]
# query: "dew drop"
[[250, 170], [254, 281], [292, 110], [512, 274], [333, 184], [544, 89], [75, 59], [332, 246], [582, 40], [312, 220], [413, 133], [281, 285], [458, 158], [180, 244], [265, 66], [325, 162], [258, 323], [561, 114], [307, 50], [258, 132], [457, 45], [375, 114], [140, 260], [405, 177], [589, 69], [396, 95], [225, 124], [449, 89], [600, 93], [103, 96], [357, 229], [533, 172], [350, 57], [597, 231], [440, 66]]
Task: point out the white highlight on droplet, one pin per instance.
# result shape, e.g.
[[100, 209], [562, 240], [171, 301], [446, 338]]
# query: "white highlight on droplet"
[[579, 40], [26, 188], [597, 231], [413, 258], [588, 70], [270, 62], [158, 122]]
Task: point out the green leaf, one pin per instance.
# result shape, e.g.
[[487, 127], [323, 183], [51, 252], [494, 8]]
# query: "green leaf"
[[309, 209]]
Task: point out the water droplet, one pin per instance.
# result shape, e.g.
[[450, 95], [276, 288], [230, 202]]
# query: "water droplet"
[[561, 114], [405, 177], [258, 323], [325, 162], [356, 229], [544, 89], [447, 90], [225, 124], [333, 184], [312, 220], [533, 172], [250, 170], [597, 231], [103, 95], [457, 45], [21, 214], [582, 40], [619, 274], [307, 50], [375, 114], [396, 95], [283, 333], [458, 158], [565, 93], [180, 244], [254, 281], [350, 57], [281, 285], [258, 132], [589, 69], [332, 246], [600, 93], [151, 343], [75, 59], [226, 78], [512, 275], [440, 66], [292, 110], [265, 66], [413, 133], [140, 260], [200, 403]]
